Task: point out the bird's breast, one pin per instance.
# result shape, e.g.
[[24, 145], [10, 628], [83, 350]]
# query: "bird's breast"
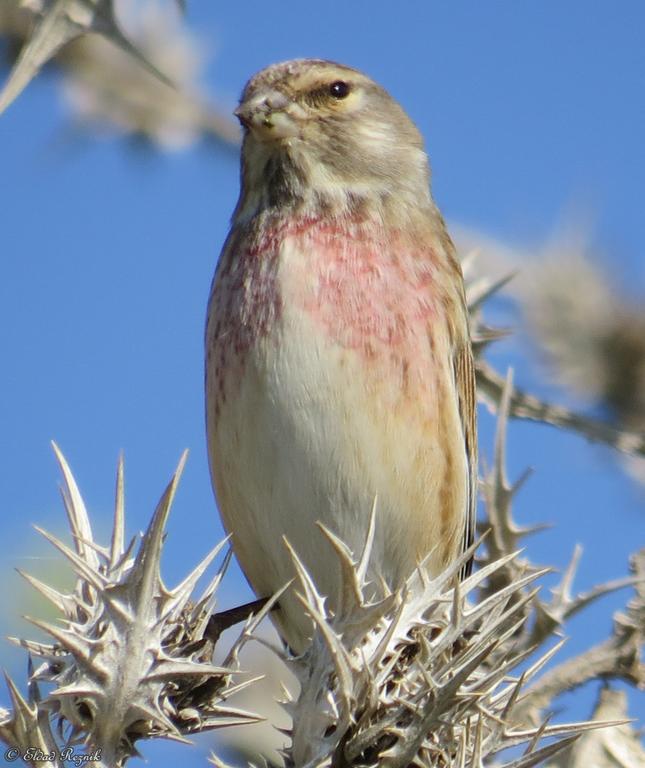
[[356, 288]]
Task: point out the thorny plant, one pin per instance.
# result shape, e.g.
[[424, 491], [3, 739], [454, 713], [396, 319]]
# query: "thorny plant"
[[130, 660], [440, 673]]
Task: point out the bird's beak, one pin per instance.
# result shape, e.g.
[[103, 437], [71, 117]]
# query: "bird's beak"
[[270, 115]]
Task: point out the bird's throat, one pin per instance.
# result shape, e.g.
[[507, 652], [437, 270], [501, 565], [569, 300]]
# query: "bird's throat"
[[283, 177]]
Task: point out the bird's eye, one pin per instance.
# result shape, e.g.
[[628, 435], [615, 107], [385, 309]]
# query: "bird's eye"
[[339, 89]]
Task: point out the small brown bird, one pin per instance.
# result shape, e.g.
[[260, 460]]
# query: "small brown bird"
[[339, 367]]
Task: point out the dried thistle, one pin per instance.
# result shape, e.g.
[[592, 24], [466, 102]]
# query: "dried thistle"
[[130, 660], [408, 680]]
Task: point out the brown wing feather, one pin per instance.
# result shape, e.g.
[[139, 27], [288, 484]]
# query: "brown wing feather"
[[467, 398], [464, 373]]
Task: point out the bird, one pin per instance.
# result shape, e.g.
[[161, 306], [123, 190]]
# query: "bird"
[[339, 371]]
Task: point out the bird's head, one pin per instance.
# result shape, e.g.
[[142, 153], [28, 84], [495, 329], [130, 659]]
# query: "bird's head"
[[320, 133]]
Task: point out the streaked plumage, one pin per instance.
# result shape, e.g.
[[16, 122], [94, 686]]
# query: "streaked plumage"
[[338, 359]]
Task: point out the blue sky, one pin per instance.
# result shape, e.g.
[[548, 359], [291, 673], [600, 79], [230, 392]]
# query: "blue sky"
[[529, 110]]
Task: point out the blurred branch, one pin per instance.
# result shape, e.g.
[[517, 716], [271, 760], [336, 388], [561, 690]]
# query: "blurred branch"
[[617, 658], [593, 337], [525, 406], [522, 405], [618, 747], [62, 21], [121, 84]]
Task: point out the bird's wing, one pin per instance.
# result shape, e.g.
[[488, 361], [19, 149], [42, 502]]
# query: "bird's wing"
[[464, 371]]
